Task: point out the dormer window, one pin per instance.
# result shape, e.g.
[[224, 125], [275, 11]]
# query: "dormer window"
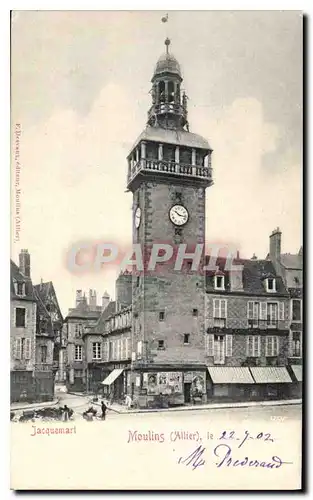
[[19, 288], [270, 284], [219, 282]]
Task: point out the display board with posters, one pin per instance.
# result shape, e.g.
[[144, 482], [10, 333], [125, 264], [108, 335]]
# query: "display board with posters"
[[163, 382]]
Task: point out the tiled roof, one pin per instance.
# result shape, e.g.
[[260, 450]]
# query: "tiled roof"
[[176, 137], [44, 290], [292, 261], [253, 275], [19, 277], [106, 313]]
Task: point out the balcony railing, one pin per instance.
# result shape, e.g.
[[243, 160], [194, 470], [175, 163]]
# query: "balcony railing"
[[170, 167], [266, 324], [43, 367], [22, 364], [167, 107]]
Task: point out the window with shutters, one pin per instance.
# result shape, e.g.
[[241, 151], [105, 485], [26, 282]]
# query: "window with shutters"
[[18, 349], [271, 346], [20, 317], [253, 346], [119, 348], [20, 289], [253, 313], [229, 346], [219, 349], [272, 314], [296, 310], [219, 346], [281, 311], [110, 350], [105, 351], [96, 350], [296, 347], [26, 348], [219, 313], [78, 353], [139, 349], [128, 348], [113, 349]]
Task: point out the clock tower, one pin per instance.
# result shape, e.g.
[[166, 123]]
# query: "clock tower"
[[169, 169]]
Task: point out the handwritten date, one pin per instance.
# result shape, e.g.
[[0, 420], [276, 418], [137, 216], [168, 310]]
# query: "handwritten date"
[[231, 435]]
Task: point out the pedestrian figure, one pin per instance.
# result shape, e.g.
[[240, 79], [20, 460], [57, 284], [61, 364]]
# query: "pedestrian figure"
[[128, 401], [66, 413], [103, 409]]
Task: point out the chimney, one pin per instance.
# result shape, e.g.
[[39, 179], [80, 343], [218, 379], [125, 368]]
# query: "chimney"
[[235, 278], [105, 300], [92, 299], [24, 263], [79, 297], [275, 245]]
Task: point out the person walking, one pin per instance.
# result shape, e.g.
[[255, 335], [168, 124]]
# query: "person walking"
[[66, 413], [103, 409]]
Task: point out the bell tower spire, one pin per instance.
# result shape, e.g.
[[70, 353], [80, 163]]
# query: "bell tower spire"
[[169, 103]]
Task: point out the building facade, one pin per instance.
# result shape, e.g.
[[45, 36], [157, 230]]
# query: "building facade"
[[290, 268], [50, 344], [35, 321], [247, 332], [78, 321], [23, 331]]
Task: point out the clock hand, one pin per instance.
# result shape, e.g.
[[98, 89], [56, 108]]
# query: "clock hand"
[[177, 213]]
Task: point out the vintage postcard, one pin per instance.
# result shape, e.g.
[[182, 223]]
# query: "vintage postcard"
[[156, 256]]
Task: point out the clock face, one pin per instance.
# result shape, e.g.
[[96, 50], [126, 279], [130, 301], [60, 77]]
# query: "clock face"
[[137, 217], [179, 215]]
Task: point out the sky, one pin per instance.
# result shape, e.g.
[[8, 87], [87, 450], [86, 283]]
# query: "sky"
[[80, 85]]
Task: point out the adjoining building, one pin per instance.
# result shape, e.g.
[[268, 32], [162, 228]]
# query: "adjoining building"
[[290, 268], [78, 320], [247, 327], [23, 331], [34, 327], [50, 344]]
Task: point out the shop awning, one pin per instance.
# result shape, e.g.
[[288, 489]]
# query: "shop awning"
[[297, 370], [112, 376], [230, 375], [270, 374]]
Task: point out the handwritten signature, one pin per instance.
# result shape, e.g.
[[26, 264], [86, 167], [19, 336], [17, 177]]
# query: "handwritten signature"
[[225, 457]]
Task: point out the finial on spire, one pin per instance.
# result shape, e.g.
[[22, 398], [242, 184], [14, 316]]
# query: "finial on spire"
[[167, 43]]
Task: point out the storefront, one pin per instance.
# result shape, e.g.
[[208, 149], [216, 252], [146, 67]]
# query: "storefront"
[[272, 382], [114, 385], [229, 383]]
